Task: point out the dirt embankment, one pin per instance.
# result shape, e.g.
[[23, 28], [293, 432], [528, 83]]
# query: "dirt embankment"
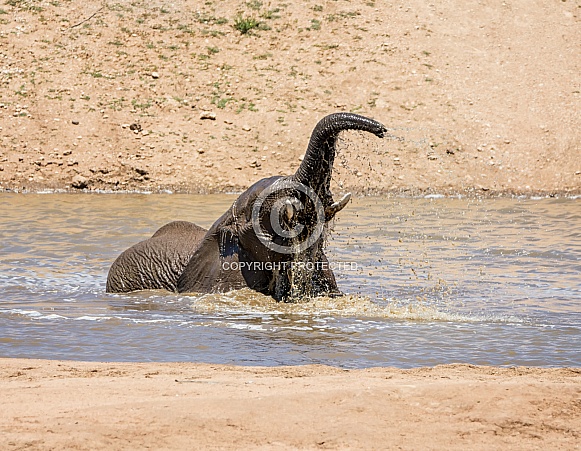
[[151, 95]]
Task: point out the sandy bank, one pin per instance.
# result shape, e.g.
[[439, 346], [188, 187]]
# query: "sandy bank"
[[82, 405], [483, 97]]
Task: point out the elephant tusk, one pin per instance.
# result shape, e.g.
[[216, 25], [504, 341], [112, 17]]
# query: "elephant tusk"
[[289, 209], [336, 207]]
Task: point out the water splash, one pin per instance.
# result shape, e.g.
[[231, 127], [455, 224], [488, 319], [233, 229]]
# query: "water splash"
[[247, 301]]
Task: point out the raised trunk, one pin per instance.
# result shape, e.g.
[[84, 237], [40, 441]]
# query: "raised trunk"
[[317, 166]]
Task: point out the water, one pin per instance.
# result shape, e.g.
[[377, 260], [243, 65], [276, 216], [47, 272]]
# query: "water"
[[430, 281]]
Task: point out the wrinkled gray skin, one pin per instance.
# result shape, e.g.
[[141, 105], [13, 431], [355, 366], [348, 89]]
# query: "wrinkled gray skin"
[[184, 257]]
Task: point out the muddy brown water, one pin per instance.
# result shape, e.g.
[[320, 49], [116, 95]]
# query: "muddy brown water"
[[428, 281]]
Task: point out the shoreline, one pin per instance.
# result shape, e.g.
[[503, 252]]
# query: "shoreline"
[[408, 193], [98, 405]]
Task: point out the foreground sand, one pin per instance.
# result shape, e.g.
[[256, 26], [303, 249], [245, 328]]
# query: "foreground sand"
[[83, 405]]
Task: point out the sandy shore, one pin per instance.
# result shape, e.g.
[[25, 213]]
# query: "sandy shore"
[[84, 405]]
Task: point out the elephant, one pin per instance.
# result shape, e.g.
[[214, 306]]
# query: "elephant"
[[270, 240]]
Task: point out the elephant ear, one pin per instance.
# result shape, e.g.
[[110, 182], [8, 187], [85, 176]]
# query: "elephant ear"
[[254, 270], [228, 243], [210, 268]]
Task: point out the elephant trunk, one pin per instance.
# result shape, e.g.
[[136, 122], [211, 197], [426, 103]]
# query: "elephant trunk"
[[317, 166]]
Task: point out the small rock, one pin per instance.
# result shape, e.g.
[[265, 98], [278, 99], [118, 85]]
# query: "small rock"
[[79, 182], [254, 163], [301, 158], [432, 157], [201, 151], [141, 171], [577, 172], [359, 174], [208, 115], [246, 128], [135, 127], [155, 75], [75, 122]]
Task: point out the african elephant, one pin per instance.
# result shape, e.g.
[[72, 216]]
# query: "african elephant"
[[271, 239]]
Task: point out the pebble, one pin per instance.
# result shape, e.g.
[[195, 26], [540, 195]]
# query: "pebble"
[[155, 75], [79, 182], [75, 122], [208, 115], [246, 128]]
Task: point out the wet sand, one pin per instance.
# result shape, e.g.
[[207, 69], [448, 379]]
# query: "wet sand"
[[85, 405]]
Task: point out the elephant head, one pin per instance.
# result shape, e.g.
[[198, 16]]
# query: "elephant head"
[[271, 239], [273, 235]]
